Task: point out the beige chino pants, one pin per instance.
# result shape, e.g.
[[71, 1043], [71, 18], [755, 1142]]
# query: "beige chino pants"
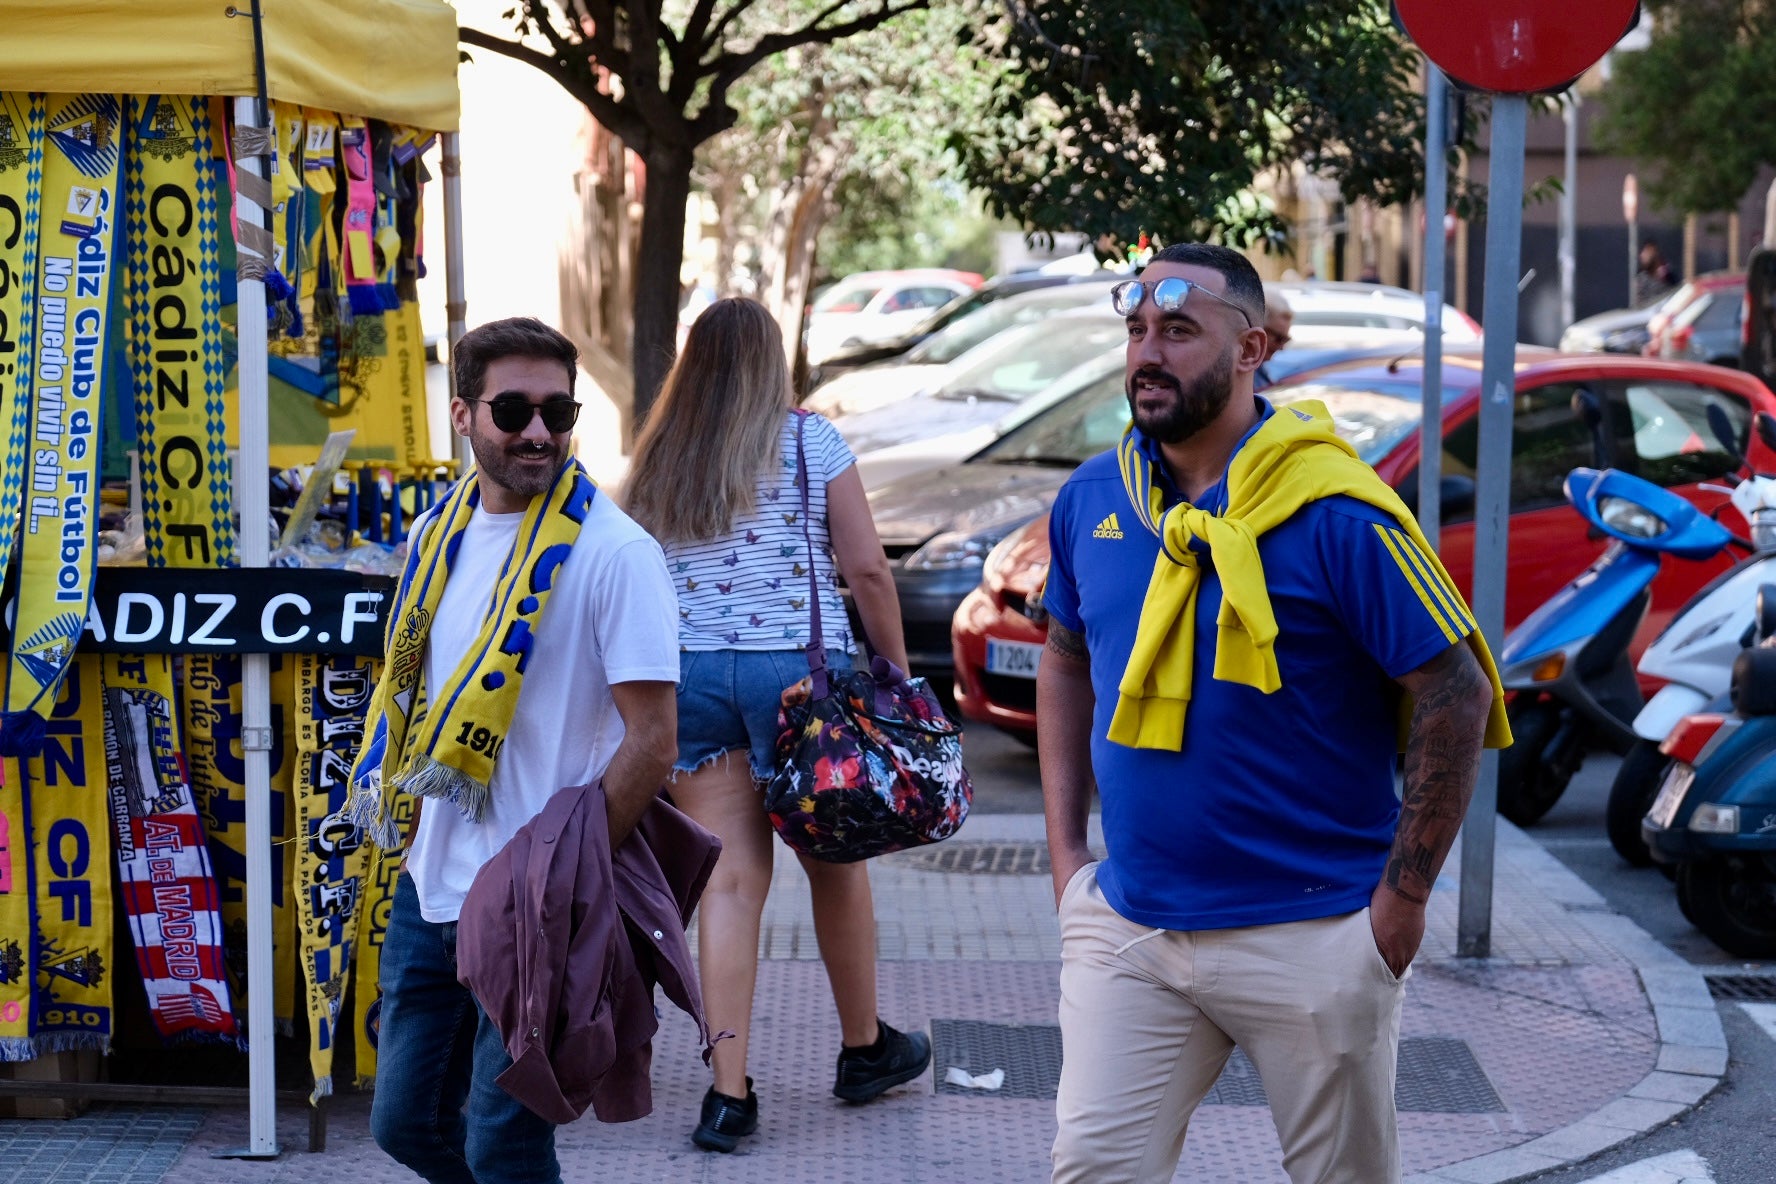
[[1149, 1016]]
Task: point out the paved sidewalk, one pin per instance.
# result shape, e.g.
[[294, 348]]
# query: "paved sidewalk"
[[1579, 1033]]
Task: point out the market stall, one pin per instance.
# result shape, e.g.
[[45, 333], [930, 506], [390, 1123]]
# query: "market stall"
[[210, 236]]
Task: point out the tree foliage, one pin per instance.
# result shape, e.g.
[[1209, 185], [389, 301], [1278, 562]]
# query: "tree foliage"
[[1159, 115], [660, 74], [1699, 103]]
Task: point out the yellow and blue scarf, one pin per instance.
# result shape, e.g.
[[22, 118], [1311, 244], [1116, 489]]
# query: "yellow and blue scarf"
[[1292, 459], [443, 742]]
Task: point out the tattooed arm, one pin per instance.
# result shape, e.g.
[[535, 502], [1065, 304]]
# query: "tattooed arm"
[[1452, 700], [1064, 702]]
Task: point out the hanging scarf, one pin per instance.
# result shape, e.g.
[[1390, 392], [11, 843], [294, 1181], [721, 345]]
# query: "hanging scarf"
[[211, 701], [335, 696], [1292, 459], [55, 981], [445, 747], [359, 226], [165, 883], [21, 164], [373, 917], [75, 270], [173, 280]]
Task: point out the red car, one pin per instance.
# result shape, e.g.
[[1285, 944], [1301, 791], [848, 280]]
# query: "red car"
[[1655, 425], [1672, 331]]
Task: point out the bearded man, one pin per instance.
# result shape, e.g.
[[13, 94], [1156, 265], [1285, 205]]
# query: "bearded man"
[[1240, 612]]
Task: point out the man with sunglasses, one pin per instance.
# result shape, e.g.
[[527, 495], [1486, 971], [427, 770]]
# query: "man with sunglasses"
[[1264, 886], [595, 699]]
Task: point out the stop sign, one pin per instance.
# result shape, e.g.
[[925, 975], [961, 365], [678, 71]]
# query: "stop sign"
[[1516, 46]]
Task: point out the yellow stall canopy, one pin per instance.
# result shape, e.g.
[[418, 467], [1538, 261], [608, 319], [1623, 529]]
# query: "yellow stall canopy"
[[383, 59]]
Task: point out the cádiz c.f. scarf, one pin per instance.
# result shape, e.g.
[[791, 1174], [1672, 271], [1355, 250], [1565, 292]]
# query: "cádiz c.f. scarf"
[[442, 742]]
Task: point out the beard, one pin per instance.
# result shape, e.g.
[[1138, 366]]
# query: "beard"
[[501, 464], [1192, 408]]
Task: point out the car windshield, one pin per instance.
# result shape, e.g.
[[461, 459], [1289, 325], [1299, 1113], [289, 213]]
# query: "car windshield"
[[847, 297], [1024, 360], [1370, 415], [1088, 422], [966, 332]]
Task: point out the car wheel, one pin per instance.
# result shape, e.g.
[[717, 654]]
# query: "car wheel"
[[1549, 748], [1733, 901], [1631, 796]]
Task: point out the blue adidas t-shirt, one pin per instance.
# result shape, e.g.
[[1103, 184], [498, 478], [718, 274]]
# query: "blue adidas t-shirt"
[[1278, 807]]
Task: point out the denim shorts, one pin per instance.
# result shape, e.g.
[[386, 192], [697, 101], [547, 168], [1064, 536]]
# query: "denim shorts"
[[728, 699]]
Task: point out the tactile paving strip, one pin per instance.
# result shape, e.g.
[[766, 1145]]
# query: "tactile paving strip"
[[1437, 1075], [108, 1143], [982, 859]]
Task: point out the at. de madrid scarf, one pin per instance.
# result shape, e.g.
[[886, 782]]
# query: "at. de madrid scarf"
[[443, 743], [1294, 458], [75, 267]]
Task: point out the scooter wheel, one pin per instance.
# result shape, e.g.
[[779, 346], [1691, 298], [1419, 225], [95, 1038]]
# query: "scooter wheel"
[[1631, 795], [1733, 901], [1546, 752]]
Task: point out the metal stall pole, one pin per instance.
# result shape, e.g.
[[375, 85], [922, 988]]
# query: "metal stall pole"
[[253, 498], [1498, 398], [456, 307], [1430, 433]]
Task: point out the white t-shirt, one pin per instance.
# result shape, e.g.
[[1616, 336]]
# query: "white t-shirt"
[[748, 589], [609, 619]]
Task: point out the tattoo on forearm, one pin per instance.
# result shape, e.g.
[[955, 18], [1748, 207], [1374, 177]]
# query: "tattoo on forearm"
[[1442, 762], [1065, 642]]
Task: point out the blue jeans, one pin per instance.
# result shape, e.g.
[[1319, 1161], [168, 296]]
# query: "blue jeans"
[[436, 1108], [728, 700]]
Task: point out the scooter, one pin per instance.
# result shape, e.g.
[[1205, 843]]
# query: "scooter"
[[1715, 814], [1694, 655], [1567, 663]]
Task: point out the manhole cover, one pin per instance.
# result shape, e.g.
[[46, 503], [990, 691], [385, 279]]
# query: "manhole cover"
[[1742, 986], [981, 859], [1438, 1074]]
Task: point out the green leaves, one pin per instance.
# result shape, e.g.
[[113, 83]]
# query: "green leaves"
[[1699, 103], [1160, 115]]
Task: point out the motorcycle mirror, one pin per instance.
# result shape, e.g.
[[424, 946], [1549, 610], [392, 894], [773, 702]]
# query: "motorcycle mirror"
[[1723, 431], [1766, 429]]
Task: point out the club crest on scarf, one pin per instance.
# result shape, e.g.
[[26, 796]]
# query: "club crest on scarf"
[[443, 742]]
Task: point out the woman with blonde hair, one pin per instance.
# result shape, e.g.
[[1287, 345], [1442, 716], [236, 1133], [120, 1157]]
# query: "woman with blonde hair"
[[714, 480]]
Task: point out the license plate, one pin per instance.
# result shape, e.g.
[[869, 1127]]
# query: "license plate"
[[1671, 796], [1017, 659]]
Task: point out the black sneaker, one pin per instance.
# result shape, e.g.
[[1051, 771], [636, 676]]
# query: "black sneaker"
[[865, 1073], [726, 1119]]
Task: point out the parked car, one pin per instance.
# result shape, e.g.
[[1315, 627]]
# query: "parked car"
[[1620, 331], [998, 288], [1725, 284], [924, 366], [879, 305], [1708, 328], [1011, 375], [1655, 426], [1328, 312]]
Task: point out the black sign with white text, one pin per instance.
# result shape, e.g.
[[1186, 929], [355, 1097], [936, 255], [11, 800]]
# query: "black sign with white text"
[[278, 610]]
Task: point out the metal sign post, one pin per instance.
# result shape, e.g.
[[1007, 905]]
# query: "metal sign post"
[[1568, 212], [1492, 500], [1430, 432], [1631, 215]]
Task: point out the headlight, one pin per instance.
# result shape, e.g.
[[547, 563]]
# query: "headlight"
[[952, 551], [1712, 819], [1636, 521]]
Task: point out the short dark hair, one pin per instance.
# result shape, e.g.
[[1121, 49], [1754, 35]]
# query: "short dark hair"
[[1244, 288], [514, 337]]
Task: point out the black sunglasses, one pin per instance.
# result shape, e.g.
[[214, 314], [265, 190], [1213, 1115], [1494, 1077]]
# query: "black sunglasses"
[[510, 414]]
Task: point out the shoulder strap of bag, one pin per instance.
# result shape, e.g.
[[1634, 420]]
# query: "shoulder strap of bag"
[[816, 639]]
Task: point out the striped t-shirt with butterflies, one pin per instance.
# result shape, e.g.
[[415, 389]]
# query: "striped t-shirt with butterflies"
[[748, 589]]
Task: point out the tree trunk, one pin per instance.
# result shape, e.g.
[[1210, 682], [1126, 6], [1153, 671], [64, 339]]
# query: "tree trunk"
[[664, 195]]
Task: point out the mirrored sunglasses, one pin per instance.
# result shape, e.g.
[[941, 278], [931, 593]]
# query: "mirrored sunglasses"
[[1168, 294], [514, 415]]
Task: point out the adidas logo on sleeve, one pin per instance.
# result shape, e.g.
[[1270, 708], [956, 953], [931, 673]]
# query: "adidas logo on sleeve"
[[1109, 528]]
